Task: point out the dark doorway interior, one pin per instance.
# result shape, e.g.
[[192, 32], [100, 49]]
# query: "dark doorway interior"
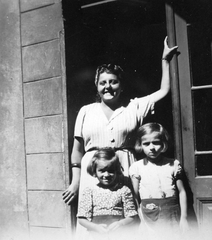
[[129, 33]]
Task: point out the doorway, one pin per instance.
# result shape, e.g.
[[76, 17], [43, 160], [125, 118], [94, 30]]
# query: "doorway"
[[127, 33]]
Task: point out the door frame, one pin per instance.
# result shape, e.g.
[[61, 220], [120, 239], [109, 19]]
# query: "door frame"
[[182, 107]]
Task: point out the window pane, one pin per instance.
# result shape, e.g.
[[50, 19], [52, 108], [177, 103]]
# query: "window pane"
[[199, 39], [204, 165], [202, 108]]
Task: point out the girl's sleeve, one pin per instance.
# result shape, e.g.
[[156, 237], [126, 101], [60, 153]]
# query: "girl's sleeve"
[[79, 122], [134, 171], [85, 205], [178, 170], [128, 203]]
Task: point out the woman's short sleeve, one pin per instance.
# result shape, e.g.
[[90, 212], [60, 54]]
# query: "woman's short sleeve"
[[79, 122], [143, 105]]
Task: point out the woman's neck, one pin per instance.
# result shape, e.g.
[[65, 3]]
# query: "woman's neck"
[[112, 106], [109, 109]]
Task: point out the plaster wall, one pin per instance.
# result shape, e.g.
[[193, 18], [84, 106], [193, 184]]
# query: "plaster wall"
[[33, 130], [13, 200]]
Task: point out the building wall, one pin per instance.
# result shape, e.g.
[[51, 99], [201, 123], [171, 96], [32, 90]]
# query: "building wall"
[[34, 149], [13, 200]]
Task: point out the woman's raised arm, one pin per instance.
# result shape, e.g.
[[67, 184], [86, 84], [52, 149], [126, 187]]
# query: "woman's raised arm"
[[165, 80]]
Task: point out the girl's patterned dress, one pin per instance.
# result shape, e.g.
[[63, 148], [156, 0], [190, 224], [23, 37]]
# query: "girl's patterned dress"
[[105, 206]]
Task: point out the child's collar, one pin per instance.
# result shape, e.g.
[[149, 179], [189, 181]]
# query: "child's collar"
[[158, 162]]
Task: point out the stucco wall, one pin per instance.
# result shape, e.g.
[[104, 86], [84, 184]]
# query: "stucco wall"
[[13, 200], [34, 149]]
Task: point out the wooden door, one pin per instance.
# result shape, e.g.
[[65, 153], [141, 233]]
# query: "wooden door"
[[194, 38]]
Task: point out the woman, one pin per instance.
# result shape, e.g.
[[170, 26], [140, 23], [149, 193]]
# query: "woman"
[[109, 123]]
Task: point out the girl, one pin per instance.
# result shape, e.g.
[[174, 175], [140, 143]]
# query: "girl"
[[108, 206], [158, 185]]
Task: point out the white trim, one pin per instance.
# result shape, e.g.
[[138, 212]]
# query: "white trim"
[[97, 3]]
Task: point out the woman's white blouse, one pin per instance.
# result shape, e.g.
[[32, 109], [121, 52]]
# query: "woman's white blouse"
[[119, 131]]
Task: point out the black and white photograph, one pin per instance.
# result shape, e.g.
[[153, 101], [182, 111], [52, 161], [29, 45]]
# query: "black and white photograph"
[[106, 111]]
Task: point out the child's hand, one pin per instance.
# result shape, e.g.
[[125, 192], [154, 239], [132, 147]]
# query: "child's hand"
[[168, 52], [101, 228], [115, 225]]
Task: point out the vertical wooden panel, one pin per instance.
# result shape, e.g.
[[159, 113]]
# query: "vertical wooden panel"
[[38, 233], [42, 61], [204, 210], [174, 83], [41, 24], [26, 5], [45, 171], [46, 209], [44, 135], [45, 117], [185, 94], [43, 97]]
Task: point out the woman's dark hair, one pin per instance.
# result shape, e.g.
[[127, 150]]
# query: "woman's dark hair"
[[149, 128], [104, 154], [109, 68]]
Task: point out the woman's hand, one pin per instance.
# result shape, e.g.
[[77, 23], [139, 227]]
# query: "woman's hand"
[[70, 193], [77, 153], [168, 53]]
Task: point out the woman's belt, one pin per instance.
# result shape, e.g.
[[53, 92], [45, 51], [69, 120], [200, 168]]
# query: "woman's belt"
[[114, 148]]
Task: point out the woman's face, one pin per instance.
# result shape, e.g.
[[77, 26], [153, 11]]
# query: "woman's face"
[[109, 88]]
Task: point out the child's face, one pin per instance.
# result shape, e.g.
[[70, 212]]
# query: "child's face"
[[152, 146], [106, 173]]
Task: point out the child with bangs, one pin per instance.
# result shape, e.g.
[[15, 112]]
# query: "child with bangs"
[[158, 186], [107, 209]]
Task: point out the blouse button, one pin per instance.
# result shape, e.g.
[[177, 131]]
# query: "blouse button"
[[112, 140]]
